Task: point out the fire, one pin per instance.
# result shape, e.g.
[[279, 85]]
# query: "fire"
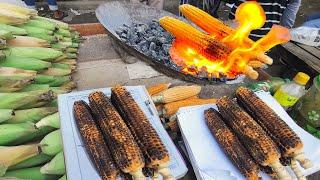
[[226, 51]]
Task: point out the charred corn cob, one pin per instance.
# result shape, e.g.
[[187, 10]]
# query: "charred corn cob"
[[287, 140], [155, 153], [231, 144], [157, 88], [254, 138], [124, 149], [176, 93]]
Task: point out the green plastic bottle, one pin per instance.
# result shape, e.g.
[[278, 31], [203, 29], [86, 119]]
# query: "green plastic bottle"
[[270, 85]]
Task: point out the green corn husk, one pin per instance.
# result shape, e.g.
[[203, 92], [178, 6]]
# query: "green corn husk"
[[66, 44], [5, 114], [42, 24], [49, 38], [18, 100], [56, 72], [31, 115], [72, 55], [63, 57], [64, 177], [66, 39], [59, 23], [13, 77], [72, 50], [3, 45], [37, 136], [59, 90], [75, 45], [59, 46], [59, 36], [69, 61], [35, 87], [35, 30], [14, 30], [52, 120], [4, 34], [32, 161], [12, 155], [9, 133], [53, 103], [2, 55], [46, 54], [61, 66], [51, 144], [52, 81], [30, 174], [69, 86], [55, 166], [63, 32], [25, 63]]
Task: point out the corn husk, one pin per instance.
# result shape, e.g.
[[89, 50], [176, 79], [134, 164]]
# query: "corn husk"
[[5, 114], [35, 30], [63, 32], [53, 103], [52, 81], [9, 133], [61, 66], [51, 120], [71, 55], [46, 54], [30, 174], [64, 177], [69, 86], [7, 35], [18, 100], [31, 115], [14, 30], [68, 61], [37, 136], [71, 50], [37, 160], [19, 9], [55, 166], [2, 55], [42, 24], [10, 156], [59, 23], [11, 17], [56, 72], [26, 41], [35, 87], [3, 45], [25, 63], [49, 38], [13, 77], [51, 144]]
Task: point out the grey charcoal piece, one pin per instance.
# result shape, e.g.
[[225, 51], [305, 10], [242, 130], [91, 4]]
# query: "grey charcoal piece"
[[125, 57]]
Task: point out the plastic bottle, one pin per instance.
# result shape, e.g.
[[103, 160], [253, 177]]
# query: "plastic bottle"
[[270, 85], [307, 110], [288, 94]]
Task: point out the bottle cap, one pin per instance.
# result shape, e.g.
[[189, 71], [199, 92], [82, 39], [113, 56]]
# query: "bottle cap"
[[301, 78]]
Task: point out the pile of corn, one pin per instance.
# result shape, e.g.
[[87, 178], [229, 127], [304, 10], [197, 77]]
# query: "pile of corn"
[[37, 57], [168, 100]]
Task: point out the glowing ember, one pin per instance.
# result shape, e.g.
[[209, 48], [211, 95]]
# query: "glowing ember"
[[225, 52]]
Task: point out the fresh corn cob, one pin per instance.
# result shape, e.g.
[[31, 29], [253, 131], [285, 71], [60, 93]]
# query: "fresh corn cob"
[[69, 62], [31, 115], [26, 41], [59, 90], [51, 144], [55, 166], [63, 57], [74, 45], [12, 155], [94, 142], [155, 153], [58, 45], [12, 77], [59, 23], [52, 80], [24, 63], [49, 38], [31, 162], [66, 39], [3, 45], [184, 31], [63, 32], [46, 54], [69, 86], [37, 136], [56, 72], [157, 88], [35, 30], [61, 66], [51, 120], [34, 87], [42, 24], [9, 133], [18, 100], [231, 144], [176, 93], [71, 55], [173, 107], [72, 50], [5, 114], [11, 17], [2, 55], [53, 103], [19, 9], [123, 147], [14, 30], [64, 177], [287, 140], [29, 173], [7, 35], [252, 136]]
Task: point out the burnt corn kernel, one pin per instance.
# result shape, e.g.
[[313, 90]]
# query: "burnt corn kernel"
[[231, 145], [94, 142]]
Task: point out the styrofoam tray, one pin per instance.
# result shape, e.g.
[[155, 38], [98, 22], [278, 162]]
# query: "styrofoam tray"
[[208, 159], [78, 164]]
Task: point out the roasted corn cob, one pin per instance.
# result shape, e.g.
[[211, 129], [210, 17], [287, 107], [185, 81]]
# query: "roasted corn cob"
[[123, 147], [287, 140], [253, 137], [231, 144], [94, 142], [155, 153]]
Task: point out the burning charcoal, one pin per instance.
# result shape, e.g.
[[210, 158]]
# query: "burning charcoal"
[[203, 72], [151, 38], [142, 28], [162, 40], [152, 46]]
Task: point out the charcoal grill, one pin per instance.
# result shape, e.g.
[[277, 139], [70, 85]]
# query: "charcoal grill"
[[113, 15]]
